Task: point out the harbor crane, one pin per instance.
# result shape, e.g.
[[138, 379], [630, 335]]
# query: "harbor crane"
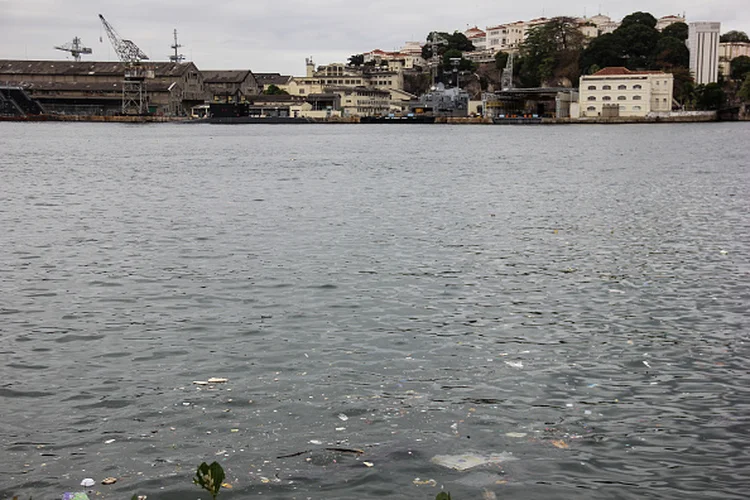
[[75, 48], [134, 97]]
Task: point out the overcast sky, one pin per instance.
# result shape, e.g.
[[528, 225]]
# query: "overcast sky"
[[277, 35]]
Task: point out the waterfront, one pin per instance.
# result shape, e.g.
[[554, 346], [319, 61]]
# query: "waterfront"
[[573, 296]]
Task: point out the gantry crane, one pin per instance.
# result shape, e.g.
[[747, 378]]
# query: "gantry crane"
[[134, 97], [75, 48]]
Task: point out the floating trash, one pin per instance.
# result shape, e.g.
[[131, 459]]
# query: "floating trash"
[[75, 496], [200, 382], [515, 364], [109, 441], [88, 482], [515, 434], [218, 380], [470, 460], [428, 482], [316, 441], [343, 417], [109, 480], [369, 464], [559, 443]]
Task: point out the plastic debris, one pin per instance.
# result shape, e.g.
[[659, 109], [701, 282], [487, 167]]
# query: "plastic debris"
[[470, 460], [559, 443], [88, 482], [109, 480], [515, 434], [218, 380], [515, 364], [316, 441], [369, 464], [343, 417], [226, 485], [80, 495], [200, 382], [109, 441], [427, 482], [234, 430]]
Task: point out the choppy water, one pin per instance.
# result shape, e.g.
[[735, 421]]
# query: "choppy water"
[[575, 298]]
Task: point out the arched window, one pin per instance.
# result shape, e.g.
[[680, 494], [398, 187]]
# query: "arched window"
[[621, 98], [622, 87], [636, 98], [637, 87], [591, 108], [592, 87], [606, 98], [592, 98], [636, 108], [606, 87]]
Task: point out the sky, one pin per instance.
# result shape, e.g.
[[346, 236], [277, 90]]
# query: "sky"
[[277, 35]]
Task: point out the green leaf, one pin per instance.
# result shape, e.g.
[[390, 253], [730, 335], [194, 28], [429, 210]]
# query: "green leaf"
[[210, 477], [443, 496]]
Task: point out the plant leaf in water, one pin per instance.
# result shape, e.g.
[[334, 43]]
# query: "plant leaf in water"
[[443, 496], [210, 477]]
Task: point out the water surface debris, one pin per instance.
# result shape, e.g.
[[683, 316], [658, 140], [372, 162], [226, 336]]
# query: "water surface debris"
[[109, 480], [470, 460], [88, 482], [218, 380], [79, 495], [559, 443]]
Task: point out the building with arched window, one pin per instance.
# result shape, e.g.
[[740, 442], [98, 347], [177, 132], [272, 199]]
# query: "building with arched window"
[[637, 93]]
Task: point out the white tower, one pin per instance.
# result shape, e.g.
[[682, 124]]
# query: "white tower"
[[703, 42]]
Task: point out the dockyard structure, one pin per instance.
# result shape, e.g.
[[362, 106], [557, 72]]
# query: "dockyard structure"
[[617, 91], [229, 86], [95, 88]]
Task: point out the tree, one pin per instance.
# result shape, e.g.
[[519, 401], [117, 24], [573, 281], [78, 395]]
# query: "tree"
[[734, 36], [603, 51], [274, 90], [709, 96], [740, 67], [744, 92], [357, 60], [458, 41], [641, 18], [501, 60], [446, 41], [684, 85], [639, 41], [551, 52], [676, 30], [671, 52]]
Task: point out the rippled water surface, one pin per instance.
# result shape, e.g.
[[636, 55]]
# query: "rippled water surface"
[[572, 299]]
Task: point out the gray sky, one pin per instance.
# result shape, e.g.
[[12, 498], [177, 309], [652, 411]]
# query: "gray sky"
[[277, 35]]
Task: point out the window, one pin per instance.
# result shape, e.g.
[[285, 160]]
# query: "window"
[[592, 98], [636, 108], [592, 87], [621, 98], [636, 98], [591, 108], [637, 87], [606, 98], [622, 87], [606, 87], [301, 91], [657, 82]]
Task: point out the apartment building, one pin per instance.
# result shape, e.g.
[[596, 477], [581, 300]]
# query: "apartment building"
[[617, 91]]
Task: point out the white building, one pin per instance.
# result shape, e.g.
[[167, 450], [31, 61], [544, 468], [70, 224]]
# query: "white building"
[[617, 91], [665, 21], [729, 51], [703, 42]]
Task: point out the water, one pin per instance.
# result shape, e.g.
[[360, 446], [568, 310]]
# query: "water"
[[572, 297]]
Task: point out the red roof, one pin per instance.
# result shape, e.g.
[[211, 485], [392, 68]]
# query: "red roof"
[[621, 70]]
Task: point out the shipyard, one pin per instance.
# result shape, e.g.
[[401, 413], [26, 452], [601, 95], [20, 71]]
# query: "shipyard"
[[478, 76]]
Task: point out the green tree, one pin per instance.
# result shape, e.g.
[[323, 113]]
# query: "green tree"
[[639, 41], [676, 30], [684, 85], [734, 36], [642, 18], [603, 51], [501, 60], [447, 41], [274, 90], [356, 60], [671, 52], [709, 97], [740, 67], [744, 92], [551, 52], [458, 41]]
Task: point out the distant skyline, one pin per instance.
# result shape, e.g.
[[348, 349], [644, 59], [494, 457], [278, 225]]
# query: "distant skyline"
[[276, 36]]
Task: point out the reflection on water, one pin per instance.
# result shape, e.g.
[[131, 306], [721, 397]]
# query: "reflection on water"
[[409, 292]]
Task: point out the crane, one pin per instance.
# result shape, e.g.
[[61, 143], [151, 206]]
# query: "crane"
[[75, 48], [127, 50], [134, 97]]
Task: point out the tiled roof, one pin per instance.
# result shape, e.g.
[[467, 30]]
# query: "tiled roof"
[[73, 68], [621, 70], [233, 76]]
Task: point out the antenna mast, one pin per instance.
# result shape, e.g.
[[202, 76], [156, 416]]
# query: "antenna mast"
[[176, 58]]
